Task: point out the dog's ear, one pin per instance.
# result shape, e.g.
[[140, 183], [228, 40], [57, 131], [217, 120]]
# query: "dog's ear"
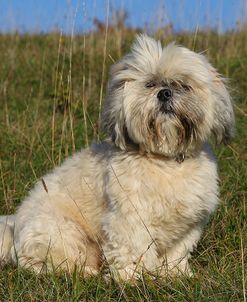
[[119, 133], [112, 119], [116, 129], [223, 124]]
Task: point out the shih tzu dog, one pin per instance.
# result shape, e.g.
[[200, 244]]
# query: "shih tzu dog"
[[139, 200]]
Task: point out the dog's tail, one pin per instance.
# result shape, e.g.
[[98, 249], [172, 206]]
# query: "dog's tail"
[[6, 237]]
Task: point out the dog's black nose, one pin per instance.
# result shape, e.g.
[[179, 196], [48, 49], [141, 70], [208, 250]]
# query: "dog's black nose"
[[164, 95]]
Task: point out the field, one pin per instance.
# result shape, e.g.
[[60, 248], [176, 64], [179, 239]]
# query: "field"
[[51, 91]]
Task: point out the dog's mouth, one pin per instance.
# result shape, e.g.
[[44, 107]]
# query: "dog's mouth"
[[186, 127], [167, 108]]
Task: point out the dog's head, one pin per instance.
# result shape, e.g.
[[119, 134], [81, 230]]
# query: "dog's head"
[[166, 100]]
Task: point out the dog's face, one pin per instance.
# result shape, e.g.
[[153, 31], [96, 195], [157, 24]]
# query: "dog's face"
[[166, 101]]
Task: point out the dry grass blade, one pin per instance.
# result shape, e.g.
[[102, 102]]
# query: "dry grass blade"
[[50, 98]]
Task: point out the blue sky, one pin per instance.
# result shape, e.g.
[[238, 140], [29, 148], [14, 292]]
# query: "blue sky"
[[63, 15]]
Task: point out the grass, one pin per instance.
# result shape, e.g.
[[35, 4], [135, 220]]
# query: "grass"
[[51, 87]]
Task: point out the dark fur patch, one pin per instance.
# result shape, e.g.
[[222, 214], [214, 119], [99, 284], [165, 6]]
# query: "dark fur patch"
[[189, 128]]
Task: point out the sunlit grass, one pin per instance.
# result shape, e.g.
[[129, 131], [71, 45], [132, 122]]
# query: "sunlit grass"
[[50, 93]]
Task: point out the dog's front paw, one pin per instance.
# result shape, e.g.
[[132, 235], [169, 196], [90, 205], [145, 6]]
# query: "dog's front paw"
[[176, 269], [129, 273]]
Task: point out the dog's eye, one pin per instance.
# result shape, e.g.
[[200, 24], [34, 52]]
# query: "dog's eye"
[[150, 84], [179, 85], [186, 87], [176, 85]]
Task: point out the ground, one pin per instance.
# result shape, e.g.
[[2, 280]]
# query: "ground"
[[51, 91]]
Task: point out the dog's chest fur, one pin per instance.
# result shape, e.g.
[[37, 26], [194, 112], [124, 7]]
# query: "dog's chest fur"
[[164, 194]]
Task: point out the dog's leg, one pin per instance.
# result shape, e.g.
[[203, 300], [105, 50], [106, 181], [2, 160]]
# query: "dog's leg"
[[55, 245], [8, 219], [129, 247], [6, 237], [175, 260]]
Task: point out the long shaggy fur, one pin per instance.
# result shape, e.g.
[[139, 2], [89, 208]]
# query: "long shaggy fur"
[[140, 199]]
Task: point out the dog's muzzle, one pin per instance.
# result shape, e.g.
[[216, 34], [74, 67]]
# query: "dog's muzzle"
[[165, 98]]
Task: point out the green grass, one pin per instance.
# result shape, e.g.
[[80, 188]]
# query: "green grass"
[[50, 91]]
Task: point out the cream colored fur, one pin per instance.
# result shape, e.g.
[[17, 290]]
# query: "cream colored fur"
[[140, 200]]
